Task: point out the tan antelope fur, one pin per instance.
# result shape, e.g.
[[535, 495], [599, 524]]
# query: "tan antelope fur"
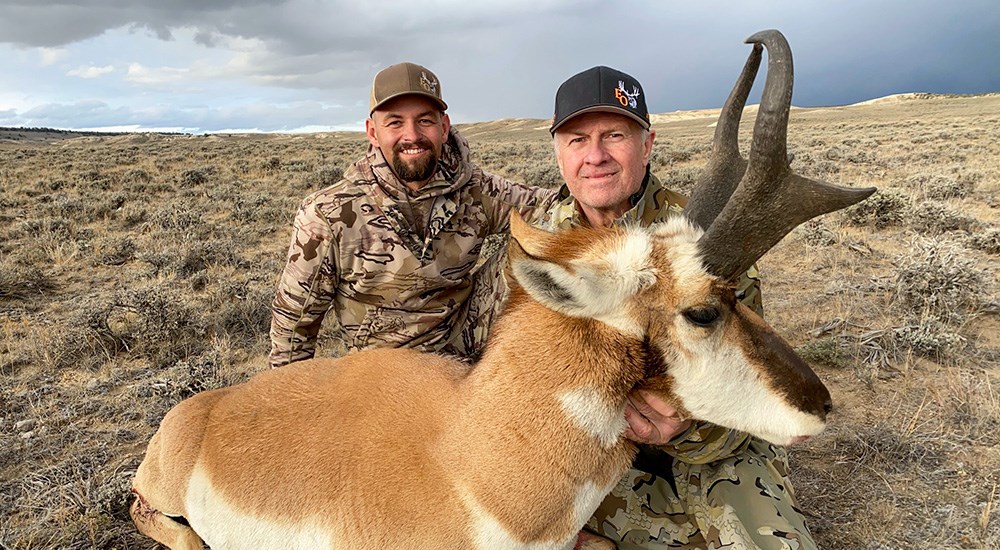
[[400, 449]]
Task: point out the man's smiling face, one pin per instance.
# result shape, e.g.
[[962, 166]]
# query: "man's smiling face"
[[602, 158], [410, 130]]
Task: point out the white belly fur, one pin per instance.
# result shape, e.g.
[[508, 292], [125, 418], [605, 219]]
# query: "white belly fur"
[[223, 527]]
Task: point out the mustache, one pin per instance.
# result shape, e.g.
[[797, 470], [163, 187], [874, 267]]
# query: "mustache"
[[422, 142]]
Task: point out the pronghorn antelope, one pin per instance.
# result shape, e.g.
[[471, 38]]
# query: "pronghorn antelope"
[[399, 449]]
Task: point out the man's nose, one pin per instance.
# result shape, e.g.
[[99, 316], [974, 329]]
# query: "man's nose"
[[596, 153], [410, 131]]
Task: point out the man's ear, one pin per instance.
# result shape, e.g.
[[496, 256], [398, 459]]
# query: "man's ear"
[[647, 148], [446, 123], [370, 130]]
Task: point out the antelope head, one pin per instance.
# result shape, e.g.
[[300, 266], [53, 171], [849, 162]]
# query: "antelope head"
[[672, 285]]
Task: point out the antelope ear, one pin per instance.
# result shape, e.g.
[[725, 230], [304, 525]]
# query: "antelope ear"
[[598, 287], [547, 282], [531, 240]]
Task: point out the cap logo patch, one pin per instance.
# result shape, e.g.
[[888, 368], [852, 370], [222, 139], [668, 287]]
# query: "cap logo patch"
[[428, 84], [625, 98]]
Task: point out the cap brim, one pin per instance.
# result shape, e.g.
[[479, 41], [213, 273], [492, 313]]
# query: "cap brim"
[[434, 99], [601, 109]]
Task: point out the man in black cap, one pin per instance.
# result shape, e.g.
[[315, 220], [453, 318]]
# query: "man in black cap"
[[695, 485]]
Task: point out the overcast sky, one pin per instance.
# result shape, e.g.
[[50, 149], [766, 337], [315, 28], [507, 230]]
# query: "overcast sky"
[[302, 65]]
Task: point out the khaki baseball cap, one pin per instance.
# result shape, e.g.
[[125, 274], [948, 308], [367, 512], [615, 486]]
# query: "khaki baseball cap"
[[405, 78]]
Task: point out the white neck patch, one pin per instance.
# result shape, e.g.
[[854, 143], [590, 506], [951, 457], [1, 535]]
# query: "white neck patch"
[[591, 413]]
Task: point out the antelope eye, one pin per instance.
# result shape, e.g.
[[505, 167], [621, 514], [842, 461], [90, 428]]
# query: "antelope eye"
[[701, 316]]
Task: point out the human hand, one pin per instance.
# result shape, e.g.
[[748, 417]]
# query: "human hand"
[[651, 420]]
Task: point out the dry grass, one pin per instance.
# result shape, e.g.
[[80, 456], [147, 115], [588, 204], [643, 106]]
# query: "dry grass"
[[136, 270]]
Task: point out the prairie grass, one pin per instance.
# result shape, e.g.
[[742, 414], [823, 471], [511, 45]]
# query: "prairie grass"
[[137, 270]]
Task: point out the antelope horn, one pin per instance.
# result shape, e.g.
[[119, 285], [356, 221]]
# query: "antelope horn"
[[725, 166], [769, 200]]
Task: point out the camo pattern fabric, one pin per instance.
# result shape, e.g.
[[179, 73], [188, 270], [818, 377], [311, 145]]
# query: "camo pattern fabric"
[[398, 268], [744, 502], [714, 487]]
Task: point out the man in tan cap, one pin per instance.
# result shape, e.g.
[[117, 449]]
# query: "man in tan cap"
[[393, 249]]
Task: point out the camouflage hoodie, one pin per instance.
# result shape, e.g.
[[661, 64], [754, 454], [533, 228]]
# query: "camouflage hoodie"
[[703, 442], [398, 268]]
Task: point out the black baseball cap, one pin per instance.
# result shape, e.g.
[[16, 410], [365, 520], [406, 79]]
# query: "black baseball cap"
[[600, 89]]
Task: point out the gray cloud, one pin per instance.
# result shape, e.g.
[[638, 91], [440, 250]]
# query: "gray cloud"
[[42, 24], [506, 60]]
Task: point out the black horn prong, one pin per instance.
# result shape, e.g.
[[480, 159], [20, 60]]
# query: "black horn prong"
[[725, 166], [748, 206], [728, 129], [769, 149]]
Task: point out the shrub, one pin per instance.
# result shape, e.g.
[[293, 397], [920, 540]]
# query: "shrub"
[[936, 218], [136, 176], [542, 174], [157, 324], [200, 255], [95, 180], [887, 207], [271, 165], [131, 214], [664, 157], [196, 176], [115, 250], [938, 278], [681, 179], [243, 311], [86, 342], [19, 282], [324, 177], [988, 241], [816, 233], [936, 186], [258, 207], [930, 337], [173, 217], [827, 351]]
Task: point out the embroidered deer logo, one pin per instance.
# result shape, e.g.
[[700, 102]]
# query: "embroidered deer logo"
[[626, 98], [428, 84]]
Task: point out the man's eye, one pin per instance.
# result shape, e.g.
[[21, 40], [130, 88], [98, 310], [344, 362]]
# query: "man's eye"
[[701, 316]]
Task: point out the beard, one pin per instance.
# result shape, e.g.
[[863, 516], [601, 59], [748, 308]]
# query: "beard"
[[421, 169]]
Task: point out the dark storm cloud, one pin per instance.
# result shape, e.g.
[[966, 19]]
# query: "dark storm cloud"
[[506, 59], [49, 24]]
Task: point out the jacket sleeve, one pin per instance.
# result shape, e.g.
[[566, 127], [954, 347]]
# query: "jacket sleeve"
[[305, 290], [705, 442], [501, 196]]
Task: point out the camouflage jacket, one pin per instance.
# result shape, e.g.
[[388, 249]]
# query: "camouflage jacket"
[[396, 267], [703, 442]]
